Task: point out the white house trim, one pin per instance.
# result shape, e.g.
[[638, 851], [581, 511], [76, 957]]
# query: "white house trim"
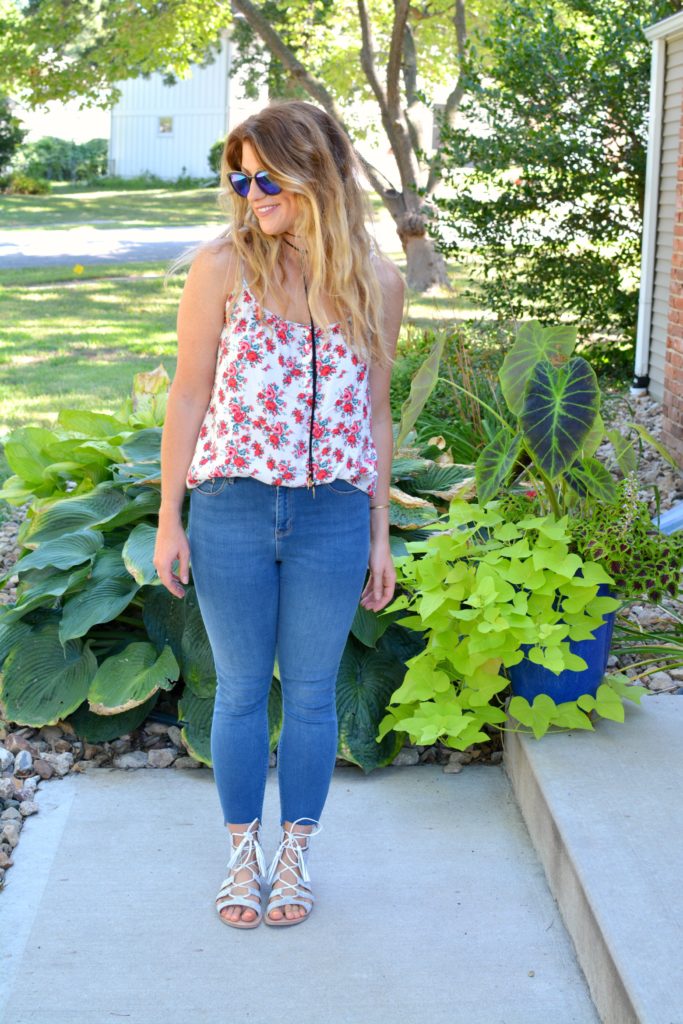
[[666, 29], [650, 211]]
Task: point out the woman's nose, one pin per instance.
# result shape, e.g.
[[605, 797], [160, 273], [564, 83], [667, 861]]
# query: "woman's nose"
[[253, 184]]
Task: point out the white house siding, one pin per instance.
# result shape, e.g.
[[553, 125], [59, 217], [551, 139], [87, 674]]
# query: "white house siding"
[[671, 123], [198, 106]]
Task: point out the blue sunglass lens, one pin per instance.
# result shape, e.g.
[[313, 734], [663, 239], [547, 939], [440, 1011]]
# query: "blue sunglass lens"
[[242, 183], [266, 185]]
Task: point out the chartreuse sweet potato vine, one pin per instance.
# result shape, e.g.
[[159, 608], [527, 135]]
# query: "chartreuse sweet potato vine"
[[482, 588]]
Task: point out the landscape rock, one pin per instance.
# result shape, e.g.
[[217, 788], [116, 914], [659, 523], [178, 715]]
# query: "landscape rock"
[[23, 763], [161, 758], [406, 756], [131, 759]]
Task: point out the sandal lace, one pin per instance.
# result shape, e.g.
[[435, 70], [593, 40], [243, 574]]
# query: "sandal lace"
[[242, 857], [301, 887]]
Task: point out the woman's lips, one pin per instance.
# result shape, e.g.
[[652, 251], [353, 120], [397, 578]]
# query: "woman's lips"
[[263, 211]]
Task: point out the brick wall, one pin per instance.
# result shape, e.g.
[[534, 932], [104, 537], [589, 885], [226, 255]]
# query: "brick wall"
[[672, 431]]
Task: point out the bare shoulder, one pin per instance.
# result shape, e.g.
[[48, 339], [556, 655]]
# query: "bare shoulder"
[[390, 279], [215, 266]]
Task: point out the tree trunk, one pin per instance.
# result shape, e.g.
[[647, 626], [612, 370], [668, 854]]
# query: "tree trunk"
[[425, 266]]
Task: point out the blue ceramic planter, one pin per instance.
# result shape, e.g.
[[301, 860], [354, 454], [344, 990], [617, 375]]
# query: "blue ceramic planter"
[[528, 679]]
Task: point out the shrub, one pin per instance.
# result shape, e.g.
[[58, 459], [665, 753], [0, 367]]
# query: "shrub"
[[11, 133], [62, 160], [214, 156], [24, 185]]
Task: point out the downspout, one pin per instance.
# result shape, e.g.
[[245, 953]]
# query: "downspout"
[[641, 371]]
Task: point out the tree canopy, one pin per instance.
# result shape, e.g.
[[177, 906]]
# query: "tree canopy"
[[551, 205]]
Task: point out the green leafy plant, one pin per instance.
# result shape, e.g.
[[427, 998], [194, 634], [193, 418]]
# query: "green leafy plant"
[[94, 638], [483, 591]]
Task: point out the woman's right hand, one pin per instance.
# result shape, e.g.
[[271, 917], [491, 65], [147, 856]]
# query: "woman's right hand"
[[172, 544]]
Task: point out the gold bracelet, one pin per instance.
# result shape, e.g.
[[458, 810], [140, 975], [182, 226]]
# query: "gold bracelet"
[[379, 506]]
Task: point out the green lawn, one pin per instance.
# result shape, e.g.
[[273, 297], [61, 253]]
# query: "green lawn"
[[75, 341], [141, 209]]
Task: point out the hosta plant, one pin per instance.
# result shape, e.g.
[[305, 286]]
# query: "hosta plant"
[[93, 636]]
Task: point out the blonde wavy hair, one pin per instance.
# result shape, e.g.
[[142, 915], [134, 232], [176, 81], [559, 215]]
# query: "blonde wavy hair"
[[307, 152]]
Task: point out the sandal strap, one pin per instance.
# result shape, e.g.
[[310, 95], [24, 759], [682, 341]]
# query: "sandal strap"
[[301, 886], [241, 857], [290, 842]]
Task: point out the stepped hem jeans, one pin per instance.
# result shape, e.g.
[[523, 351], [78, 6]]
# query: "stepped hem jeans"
[[278, 572]]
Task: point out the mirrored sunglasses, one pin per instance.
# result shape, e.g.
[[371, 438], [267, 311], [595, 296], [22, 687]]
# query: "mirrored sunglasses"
[[242, 183]]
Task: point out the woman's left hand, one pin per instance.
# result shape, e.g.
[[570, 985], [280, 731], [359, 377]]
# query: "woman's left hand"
[[379, 590]]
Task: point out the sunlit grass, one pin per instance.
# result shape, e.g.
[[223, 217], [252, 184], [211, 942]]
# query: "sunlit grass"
[[149, 208]]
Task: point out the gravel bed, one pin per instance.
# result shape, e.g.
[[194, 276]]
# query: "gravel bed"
[[29, 757]]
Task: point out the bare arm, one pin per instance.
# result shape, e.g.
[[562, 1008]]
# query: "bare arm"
[[380, 587], [201, 316]]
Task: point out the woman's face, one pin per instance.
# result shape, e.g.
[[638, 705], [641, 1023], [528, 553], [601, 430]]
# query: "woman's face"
[[276, 214]]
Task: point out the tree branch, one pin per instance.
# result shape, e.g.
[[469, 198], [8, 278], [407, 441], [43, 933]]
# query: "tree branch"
[[455, 96], [315, 89], [287, 57], [367, 61], [395, 55]]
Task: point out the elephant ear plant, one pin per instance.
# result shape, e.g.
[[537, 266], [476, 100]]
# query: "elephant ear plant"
[[518, 577]]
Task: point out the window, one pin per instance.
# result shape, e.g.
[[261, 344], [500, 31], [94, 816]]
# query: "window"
[[165, 126]]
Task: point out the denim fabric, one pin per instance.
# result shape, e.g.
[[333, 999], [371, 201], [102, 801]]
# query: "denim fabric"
[[278, 572]]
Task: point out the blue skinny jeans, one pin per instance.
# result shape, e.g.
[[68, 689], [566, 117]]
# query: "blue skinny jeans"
[[278, 573]]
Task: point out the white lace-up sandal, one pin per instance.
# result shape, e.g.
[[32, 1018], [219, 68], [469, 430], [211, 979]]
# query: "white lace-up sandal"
[[298, 892], [241, 857]]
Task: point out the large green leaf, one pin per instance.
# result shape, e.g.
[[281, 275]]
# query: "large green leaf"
[[196, 658], [102, 728], [593, 438], [143, 445], [130, 677], [404, 466], [91, 424], [532, 345], [590, 477], [401, 643], [368, 626], [105, 595], [42, 587], [624, 452], [198, 713], [12, 634], [420, 389], [164, 617], [61, 552], [657, 445], [145, 503], [365, 682], [560, 406], [70, 515], [440, 478], [75, 449], [496, 463], [138, 553], [25, 452], [43, 681]]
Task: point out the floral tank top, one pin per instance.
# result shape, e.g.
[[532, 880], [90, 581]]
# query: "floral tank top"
[[259, 415]]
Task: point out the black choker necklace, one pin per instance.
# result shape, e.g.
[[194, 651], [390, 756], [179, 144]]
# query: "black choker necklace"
[[296, 248]]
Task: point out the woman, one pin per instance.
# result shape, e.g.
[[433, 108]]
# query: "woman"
[[278, 421]]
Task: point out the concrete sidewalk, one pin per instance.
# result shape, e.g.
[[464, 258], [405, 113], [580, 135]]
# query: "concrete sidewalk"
[[604, 811], [431, 906]]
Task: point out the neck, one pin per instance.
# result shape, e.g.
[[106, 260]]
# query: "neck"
[[286, 240]]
